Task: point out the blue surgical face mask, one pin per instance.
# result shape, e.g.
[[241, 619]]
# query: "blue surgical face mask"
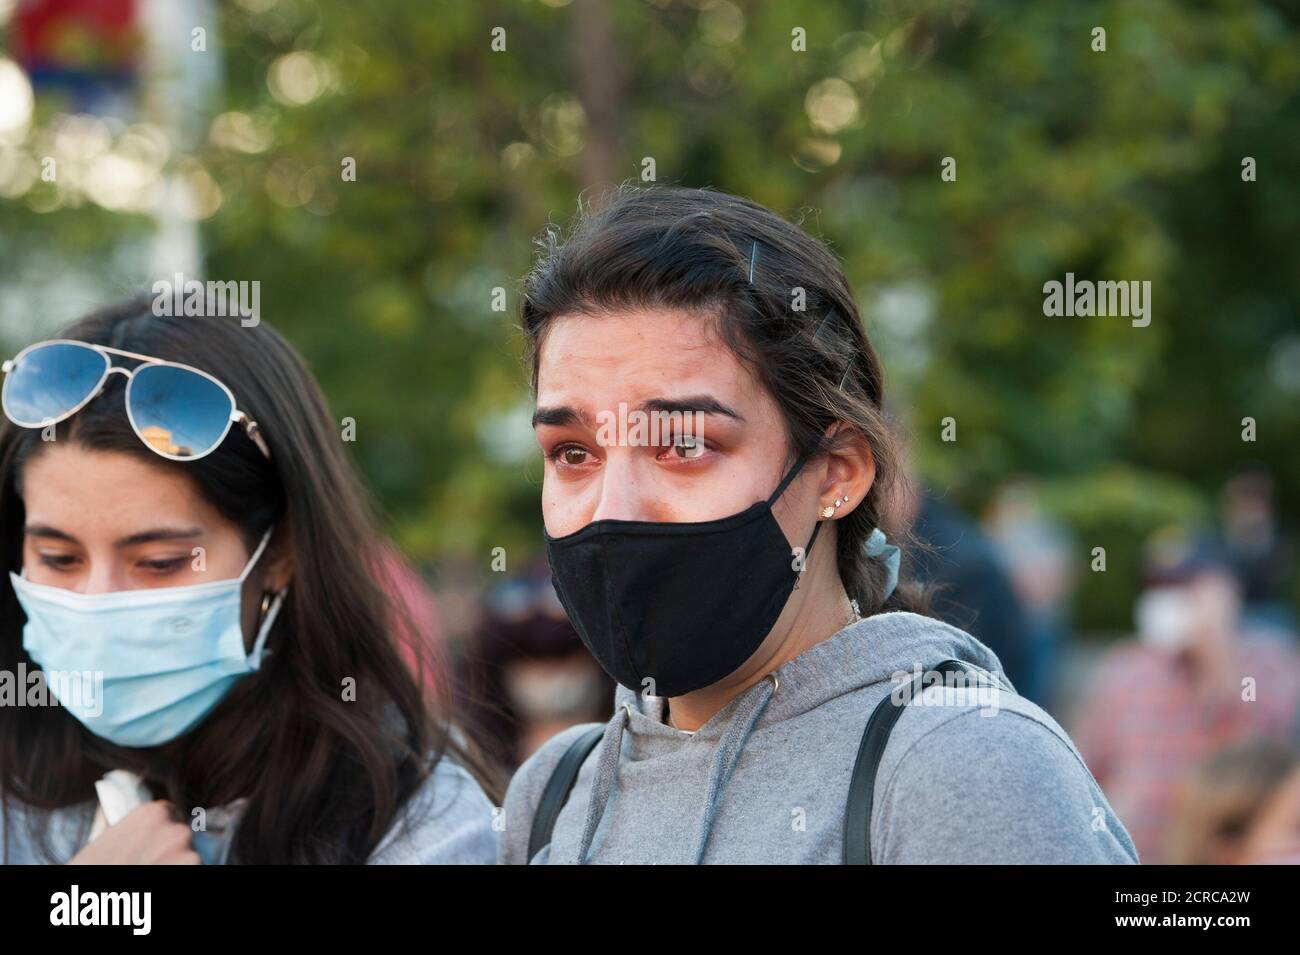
[[141, 667]]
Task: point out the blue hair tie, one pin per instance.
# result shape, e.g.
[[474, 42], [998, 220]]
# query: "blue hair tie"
[[878, 546]]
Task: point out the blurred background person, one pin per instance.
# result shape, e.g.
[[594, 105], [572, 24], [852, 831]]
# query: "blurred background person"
[[1189, 684], [967, 583], [1262, 556], [528, 676], [422, 635], [1038, 552], [1274, 836], [1236, 807]]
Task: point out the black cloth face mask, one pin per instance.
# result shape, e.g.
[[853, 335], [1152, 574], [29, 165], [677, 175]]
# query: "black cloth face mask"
[[679, 604]]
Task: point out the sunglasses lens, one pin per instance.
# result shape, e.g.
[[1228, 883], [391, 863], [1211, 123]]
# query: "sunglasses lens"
[[48, 382], [177, 412]]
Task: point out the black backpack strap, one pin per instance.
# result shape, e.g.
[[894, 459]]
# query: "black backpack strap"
[[558, 787], [862, 786]]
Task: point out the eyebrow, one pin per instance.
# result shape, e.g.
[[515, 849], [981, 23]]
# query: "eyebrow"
[[144, 537], [563, 415]]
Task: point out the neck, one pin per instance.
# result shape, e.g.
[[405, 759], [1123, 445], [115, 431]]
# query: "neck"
[[821, 611]]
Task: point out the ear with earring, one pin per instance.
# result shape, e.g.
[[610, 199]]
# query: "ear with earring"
[[829, 510]]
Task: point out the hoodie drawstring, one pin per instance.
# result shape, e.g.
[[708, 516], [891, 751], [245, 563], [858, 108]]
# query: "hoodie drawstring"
[[748, 710], [606, 769], [724, 761]]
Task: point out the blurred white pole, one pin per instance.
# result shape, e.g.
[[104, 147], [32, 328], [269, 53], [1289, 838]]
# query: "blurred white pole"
[[182, 76]]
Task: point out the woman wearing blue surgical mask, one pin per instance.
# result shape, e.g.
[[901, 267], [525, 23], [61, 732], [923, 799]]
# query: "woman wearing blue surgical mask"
[[717, 471], [194, 617]]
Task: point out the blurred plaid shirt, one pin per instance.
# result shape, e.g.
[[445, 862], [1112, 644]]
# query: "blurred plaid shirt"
[[1144, 725]]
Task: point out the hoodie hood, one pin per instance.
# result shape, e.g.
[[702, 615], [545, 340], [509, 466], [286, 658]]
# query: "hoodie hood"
[[883, 648]]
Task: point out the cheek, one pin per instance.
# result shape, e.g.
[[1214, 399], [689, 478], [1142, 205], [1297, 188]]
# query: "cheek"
[[798, 520], [217, 563], [563, 509], [221, 556]]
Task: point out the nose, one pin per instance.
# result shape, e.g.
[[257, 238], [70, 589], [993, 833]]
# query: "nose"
[[102, 579], [622, 494]]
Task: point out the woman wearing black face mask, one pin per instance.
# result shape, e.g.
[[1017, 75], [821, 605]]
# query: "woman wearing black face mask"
[[717, 471]]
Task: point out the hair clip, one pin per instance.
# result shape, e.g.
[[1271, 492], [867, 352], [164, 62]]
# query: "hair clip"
[[753, 256]]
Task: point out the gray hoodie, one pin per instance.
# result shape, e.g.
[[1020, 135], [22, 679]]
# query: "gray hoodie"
[[985, 777]]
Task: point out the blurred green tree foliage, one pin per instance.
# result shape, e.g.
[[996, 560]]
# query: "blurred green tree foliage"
[[1123, 164]]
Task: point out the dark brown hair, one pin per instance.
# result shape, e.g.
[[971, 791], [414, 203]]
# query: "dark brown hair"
[[325, 779], [742, 265]]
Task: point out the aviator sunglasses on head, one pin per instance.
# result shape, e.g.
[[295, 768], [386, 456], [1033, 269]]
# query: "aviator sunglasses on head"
[[179, 412]]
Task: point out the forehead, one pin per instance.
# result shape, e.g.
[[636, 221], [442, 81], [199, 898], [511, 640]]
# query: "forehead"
[[638, 353], [104, 488]]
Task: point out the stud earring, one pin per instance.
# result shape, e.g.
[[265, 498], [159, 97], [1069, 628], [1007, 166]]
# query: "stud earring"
[[829, 510]]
